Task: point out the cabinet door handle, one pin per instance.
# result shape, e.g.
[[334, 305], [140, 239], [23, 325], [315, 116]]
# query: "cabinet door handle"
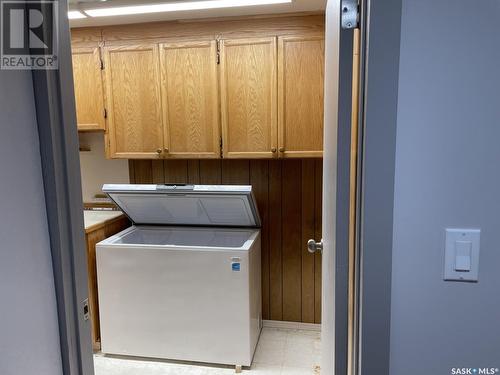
[[282, 149], [273, 150], [166, 150], [158, 151]]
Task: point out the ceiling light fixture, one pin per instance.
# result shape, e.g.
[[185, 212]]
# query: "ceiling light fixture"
[[177, 7], [75, 15]]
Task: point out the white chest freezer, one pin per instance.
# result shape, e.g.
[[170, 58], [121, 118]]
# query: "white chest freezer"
[[183, 282]]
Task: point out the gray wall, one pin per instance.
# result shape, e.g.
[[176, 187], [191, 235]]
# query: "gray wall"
[[447, 175], [29, 337]]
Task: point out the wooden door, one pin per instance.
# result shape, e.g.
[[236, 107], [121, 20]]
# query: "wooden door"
[[135, 126], [190, 99], [88, 89], [300, 96], [248, 98]]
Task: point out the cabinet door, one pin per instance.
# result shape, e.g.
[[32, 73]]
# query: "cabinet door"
[[248, 98], [190, 99], [92, 239], [300, 96], [88, 89], [135, 126]]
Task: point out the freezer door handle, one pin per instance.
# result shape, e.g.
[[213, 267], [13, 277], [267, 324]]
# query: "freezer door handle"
[[174, 187]]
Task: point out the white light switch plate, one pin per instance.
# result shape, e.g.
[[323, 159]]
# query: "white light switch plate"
[[461, 261]]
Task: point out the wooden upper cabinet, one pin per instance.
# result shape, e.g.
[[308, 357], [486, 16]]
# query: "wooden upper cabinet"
[[300, 95], [88, 89], [190, 99], [135, 126], [248, 97]]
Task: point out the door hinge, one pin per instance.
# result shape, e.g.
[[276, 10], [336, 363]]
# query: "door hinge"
[[86, 309], [217, 42], [105, 113], [102, 65], [350, 14]]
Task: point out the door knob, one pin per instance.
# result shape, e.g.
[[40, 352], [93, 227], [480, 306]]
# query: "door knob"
[[158, 151], [273, 150], [313, 246], [282, 149]]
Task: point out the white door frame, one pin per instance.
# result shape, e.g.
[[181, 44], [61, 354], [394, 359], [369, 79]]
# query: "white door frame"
[[362, 309], [339, 316], [329, 205]]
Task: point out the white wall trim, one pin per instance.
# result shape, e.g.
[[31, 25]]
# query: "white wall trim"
[[291, 325]]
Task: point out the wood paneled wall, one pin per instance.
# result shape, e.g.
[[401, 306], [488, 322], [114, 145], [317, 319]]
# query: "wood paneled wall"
[[288, 194]]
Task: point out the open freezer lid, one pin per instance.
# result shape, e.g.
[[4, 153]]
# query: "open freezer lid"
[[177, 204]]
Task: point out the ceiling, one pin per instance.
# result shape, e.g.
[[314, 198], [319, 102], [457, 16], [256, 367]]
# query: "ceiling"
[[294, 7]]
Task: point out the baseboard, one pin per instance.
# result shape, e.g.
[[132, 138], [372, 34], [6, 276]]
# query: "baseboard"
[[291, 325]]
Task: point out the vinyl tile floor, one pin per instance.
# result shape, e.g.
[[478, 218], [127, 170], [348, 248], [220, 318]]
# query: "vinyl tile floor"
[[279, 352]]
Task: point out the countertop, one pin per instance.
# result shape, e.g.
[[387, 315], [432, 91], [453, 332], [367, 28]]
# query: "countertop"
[[95, 219]]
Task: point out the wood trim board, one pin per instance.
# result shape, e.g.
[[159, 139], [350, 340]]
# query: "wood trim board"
[[203, 29]]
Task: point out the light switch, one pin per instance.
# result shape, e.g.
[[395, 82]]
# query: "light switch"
[[462, 254]]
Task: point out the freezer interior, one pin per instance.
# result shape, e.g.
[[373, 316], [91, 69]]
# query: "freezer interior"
[[186, 237]]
